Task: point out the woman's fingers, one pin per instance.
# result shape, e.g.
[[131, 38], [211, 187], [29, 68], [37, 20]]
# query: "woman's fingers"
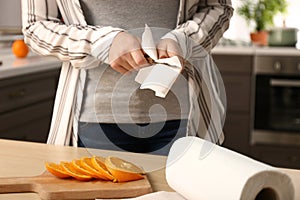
[[119, 68], [168, 48], [162, 53], [126, 52], [139, 59], [130, 61]]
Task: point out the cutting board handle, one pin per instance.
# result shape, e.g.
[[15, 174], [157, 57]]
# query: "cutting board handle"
[[17, 184]]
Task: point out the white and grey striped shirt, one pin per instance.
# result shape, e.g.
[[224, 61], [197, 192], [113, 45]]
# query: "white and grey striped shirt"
[[58, 28]]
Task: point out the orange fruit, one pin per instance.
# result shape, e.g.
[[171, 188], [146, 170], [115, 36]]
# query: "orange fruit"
[[86, 163], [56, 170], [72, 171], [98, 163], [123, 170], [111, 169], [77, 165], [20, 49]]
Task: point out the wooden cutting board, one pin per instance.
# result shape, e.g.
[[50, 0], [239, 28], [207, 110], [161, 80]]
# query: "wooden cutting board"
[[49, 187]]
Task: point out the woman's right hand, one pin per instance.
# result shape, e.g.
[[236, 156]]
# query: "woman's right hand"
[[126, 53]]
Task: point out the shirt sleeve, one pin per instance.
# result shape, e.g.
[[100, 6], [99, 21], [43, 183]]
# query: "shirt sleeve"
[[46, 34], [210, 21]]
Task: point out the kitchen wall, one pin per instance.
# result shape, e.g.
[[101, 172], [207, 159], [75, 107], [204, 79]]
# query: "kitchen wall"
[[10, 14]]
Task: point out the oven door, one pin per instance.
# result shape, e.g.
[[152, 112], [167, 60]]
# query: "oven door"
[[277, 110]]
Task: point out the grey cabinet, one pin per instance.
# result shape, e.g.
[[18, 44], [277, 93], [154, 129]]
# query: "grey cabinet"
[[279, 156], [236, 72], [26, 104]]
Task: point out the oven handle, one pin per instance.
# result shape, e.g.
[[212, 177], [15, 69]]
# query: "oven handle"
[[284, 83]]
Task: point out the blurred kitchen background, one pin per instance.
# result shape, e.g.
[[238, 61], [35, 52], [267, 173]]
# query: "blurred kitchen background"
[[262, 85]]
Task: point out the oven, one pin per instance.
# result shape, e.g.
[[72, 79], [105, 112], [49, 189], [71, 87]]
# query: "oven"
[[277, 100]]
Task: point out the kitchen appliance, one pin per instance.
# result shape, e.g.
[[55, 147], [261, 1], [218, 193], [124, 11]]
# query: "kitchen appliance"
[[277, 100], [283, 37]]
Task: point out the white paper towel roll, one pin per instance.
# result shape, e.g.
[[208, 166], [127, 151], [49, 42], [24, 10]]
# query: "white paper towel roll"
[[200, 170]]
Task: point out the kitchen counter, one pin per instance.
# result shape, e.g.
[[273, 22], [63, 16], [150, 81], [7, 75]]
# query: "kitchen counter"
[[258, 51], [27, 159], [12, 66], [19, 159]]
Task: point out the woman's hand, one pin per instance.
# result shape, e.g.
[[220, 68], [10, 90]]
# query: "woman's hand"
[[167, 48], [126, 53]]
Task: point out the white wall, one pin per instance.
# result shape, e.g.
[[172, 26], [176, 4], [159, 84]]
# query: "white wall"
[[10, 13]]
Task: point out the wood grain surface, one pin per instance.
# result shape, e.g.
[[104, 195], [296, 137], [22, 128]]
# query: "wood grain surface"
[[49, 187]]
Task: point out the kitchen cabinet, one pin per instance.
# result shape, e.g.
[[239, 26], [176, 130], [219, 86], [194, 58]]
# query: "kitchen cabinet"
[[279, 156], [240, 68], [236, 72], [26, 103]]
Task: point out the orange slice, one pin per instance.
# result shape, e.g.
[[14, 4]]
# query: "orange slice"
[[77, 165], [123, 170], [86, 163], [68, 167], [56, 170], [98, 163]]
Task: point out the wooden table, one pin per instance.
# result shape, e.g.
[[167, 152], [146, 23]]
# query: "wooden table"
[[27, 159]]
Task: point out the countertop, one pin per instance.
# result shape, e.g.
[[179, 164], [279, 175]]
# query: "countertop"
[[27, 159], [12, 66], [256, 51], [21, 159]]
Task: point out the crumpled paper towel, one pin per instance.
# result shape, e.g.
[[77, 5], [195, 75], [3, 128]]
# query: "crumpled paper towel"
[[161, 75]]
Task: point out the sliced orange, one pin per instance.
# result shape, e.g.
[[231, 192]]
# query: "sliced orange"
[[56, 170], [86, 163], [98, 163], [77, 165], [123, 170], [71, 170]]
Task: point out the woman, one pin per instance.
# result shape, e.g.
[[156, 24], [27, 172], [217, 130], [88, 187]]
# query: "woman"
[[93, 39]]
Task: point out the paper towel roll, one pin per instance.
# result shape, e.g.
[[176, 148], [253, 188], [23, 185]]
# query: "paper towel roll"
[[200, 170]]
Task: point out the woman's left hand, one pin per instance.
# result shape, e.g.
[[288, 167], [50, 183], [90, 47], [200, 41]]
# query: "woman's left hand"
[[167, 48]]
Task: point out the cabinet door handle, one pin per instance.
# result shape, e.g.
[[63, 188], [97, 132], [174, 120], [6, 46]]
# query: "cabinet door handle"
[[277, 66], [284, 83], [17, 94]]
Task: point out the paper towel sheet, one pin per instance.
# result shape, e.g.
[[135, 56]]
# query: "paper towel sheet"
[[161, 75], [200, 170]]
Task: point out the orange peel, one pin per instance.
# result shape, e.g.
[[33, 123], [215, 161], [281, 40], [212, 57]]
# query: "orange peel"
[[56, 170], [123, 170], [71, 170]]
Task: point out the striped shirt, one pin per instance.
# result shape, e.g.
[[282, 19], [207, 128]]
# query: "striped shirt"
[[58, 28]]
